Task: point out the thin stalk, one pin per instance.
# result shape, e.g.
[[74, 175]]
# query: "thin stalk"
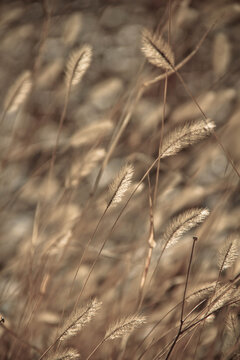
[[151, 244], [183, 302]]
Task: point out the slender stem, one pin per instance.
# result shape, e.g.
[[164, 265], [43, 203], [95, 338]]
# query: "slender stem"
[[85, 249], [95, 349], [183, 302], [116, 221], [151, 245], [117, 137], [160, 141], [23, 342], [63, 115]]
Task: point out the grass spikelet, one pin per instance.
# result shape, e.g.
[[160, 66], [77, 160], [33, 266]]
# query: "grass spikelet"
[[66, 354], [223, 295], [183, 223], [231, 332], [228, 253], [78, 64], [120, 185], [79, 319], [91, 133], [202, 293], [157, 51], [183, 136], [124, 327], [18, 93], [83, 168]]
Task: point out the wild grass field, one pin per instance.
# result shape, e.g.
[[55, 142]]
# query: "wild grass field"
[[120, 166]]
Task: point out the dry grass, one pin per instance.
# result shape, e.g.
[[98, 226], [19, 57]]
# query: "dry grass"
[[119, 205]]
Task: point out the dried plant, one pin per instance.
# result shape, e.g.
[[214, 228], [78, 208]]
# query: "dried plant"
[[77, 225], [157, 51], [120, 185], [202, 293], [223, 294], [183, 136], [83, 167], [66, 354], [124, 326], [78, 64], [78, 320], [18, 93], [183, 223], [228, 253], [91, 133]]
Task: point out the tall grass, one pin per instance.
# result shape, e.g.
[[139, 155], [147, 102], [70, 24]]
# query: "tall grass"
[[119, 181]]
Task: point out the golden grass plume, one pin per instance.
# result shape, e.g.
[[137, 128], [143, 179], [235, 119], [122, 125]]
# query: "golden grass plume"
[[18, 92], [79, 319], [120, 184], [78, 64], [91, 133], [183, 136], [124, 326], [228, 253], [157, 51], [64, 354], [182, 223]]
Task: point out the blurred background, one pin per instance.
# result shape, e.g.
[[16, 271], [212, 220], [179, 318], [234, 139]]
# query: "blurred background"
[[45, 222]]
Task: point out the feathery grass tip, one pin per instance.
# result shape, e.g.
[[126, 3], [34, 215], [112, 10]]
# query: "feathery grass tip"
[[157, 51], [120, 185], [183, 136], [182, 223], [64, 354], [18, 92], [228, 253], [79, 319], [124, 326], [78, 64]]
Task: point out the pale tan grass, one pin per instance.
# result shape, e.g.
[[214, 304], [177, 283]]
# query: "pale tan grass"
[[228, 253], [157, 51], [91, 133], [78, 320], [18, 93], [124, 326], [84, 166], [183, 223], [120, 185], [64, 354], [78, 64], [185, 135]]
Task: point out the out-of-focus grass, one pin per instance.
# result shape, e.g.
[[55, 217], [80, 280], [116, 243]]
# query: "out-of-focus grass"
[[54, 223]]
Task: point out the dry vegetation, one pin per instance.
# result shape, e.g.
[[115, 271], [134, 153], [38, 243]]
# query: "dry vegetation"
[[120, 166]]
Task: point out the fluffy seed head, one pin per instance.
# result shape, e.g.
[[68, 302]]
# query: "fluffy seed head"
[[124, 326], [183, 223], [120, 185], [228, 253], [18, 93], [80, 318], [157, 51], [183, 136], [78, 64], [65, 354]]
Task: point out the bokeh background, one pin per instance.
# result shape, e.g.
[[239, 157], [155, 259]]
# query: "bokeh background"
[[45, 224]]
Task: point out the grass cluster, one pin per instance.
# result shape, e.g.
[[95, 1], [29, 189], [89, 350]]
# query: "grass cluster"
[[120, 169]]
